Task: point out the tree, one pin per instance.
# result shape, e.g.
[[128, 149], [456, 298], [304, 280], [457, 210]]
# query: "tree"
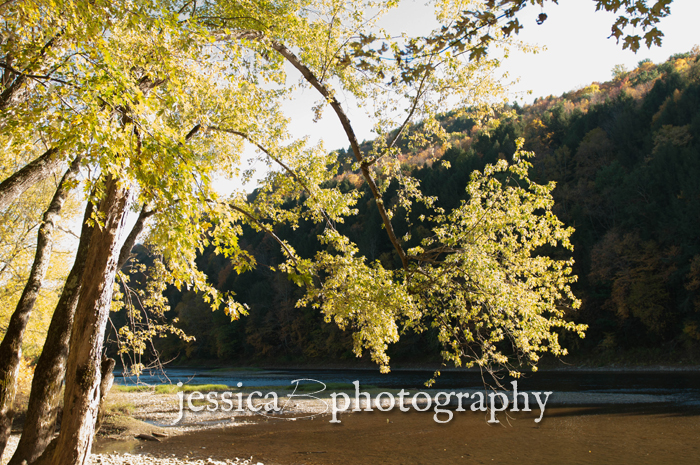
[[177, 183], [69, 106], [158, 117], [11, 346], [82, 391], [42, 410], [35, 171], [19, 225]]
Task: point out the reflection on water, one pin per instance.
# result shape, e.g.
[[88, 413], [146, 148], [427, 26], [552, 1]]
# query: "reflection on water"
[[570, 387], [620, 417]]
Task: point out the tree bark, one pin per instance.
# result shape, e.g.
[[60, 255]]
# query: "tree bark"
[[83, 379], [11, 346], [107, 369], [33, 172], [125, 253], [15, 82], [40, 423]]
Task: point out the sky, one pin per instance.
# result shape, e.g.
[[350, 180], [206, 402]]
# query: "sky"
[[576, 51]]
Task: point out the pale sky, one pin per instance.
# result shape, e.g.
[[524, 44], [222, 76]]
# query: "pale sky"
[[578, 52]]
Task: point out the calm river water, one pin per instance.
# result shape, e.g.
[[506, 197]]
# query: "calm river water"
[[594, 417], [569, 387]]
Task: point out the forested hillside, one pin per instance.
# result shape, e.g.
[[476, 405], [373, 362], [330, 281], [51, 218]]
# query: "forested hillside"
[[625, 155]]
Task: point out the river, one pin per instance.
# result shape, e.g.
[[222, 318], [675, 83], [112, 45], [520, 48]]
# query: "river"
[[569, 387], [593, 417]]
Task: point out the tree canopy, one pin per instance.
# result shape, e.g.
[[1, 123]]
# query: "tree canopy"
[[155, 100], [165, 96]]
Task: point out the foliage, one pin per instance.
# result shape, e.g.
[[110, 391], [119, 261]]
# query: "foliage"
[[170, 389], [633, 13], [18, 227], [478, 278], [159, 98], [624, 162], [139, 388], [144, 309], [626, 174], [168, 113]]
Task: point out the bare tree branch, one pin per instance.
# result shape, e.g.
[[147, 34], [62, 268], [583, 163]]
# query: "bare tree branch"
[[125, 252], [30, 174], [267, 152], [350, 133]]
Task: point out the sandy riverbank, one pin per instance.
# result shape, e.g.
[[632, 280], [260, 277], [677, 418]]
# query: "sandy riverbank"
[[126, 458], [607, 429], [577, 428], [142, 414], [589, 435]]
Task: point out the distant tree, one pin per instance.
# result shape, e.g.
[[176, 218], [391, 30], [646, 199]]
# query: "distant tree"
[[619, 71]]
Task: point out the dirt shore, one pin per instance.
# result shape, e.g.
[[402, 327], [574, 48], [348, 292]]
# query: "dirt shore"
[[138, 431], [624, 429], [586, 435]]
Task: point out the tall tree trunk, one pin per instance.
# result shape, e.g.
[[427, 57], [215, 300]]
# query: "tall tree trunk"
[[40, 423], [83, 378], [11, 346], [33, 172]]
